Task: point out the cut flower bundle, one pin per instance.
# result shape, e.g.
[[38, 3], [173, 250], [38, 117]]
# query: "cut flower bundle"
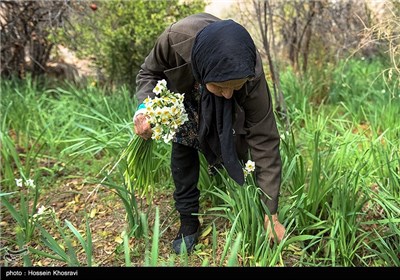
[[165, 113]]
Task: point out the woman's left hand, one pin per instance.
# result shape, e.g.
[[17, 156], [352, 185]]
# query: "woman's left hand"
[[278, 228]]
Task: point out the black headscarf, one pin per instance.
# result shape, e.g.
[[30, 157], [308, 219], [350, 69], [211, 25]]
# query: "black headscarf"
[[222, 51]]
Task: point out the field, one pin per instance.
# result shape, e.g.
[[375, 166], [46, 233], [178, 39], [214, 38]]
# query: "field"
[[66, 201]]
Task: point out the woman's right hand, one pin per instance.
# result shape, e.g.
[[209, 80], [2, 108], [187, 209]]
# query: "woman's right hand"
[[142, 126]]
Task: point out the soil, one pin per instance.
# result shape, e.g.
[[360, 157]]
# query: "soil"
[[71, 198]]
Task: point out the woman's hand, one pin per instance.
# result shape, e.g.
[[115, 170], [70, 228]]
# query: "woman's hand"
[[142, 126], [278, 228]]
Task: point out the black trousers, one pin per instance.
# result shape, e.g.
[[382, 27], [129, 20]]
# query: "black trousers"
[[185, 168]]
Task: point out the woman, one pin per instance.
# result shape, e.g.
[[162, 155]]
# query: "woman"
[[216, 64]]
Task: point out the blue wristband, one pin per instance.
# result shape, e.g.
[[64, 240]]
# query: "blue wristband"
[[141, 106]]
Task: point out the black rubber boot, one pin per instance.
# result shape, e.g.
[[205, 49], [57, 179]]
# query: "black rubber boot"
[[188, 233]]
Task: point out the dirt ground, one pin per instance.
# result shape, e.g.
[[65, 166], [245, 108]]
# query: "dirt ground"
[[73, 197]]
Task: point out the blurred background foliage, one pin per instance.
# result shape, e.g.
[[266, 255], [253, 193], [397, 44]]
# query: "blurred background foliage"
[[119, 34], [112, 38], [116, 35]]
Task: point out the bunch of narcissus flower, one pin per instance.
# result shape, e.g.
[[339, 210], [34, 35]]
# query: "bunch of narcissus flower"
[[166, 112]]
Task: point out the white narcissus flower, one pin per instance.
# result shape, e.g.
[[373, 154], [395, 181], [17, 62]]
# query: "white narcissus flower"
[[41, 210], [148, 101], [160, 87], [250, 166], [157, 90], [30, 183], [157, 132], [18, 182], [174, 110], [168, 137], [163, 83], [159, 111]]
